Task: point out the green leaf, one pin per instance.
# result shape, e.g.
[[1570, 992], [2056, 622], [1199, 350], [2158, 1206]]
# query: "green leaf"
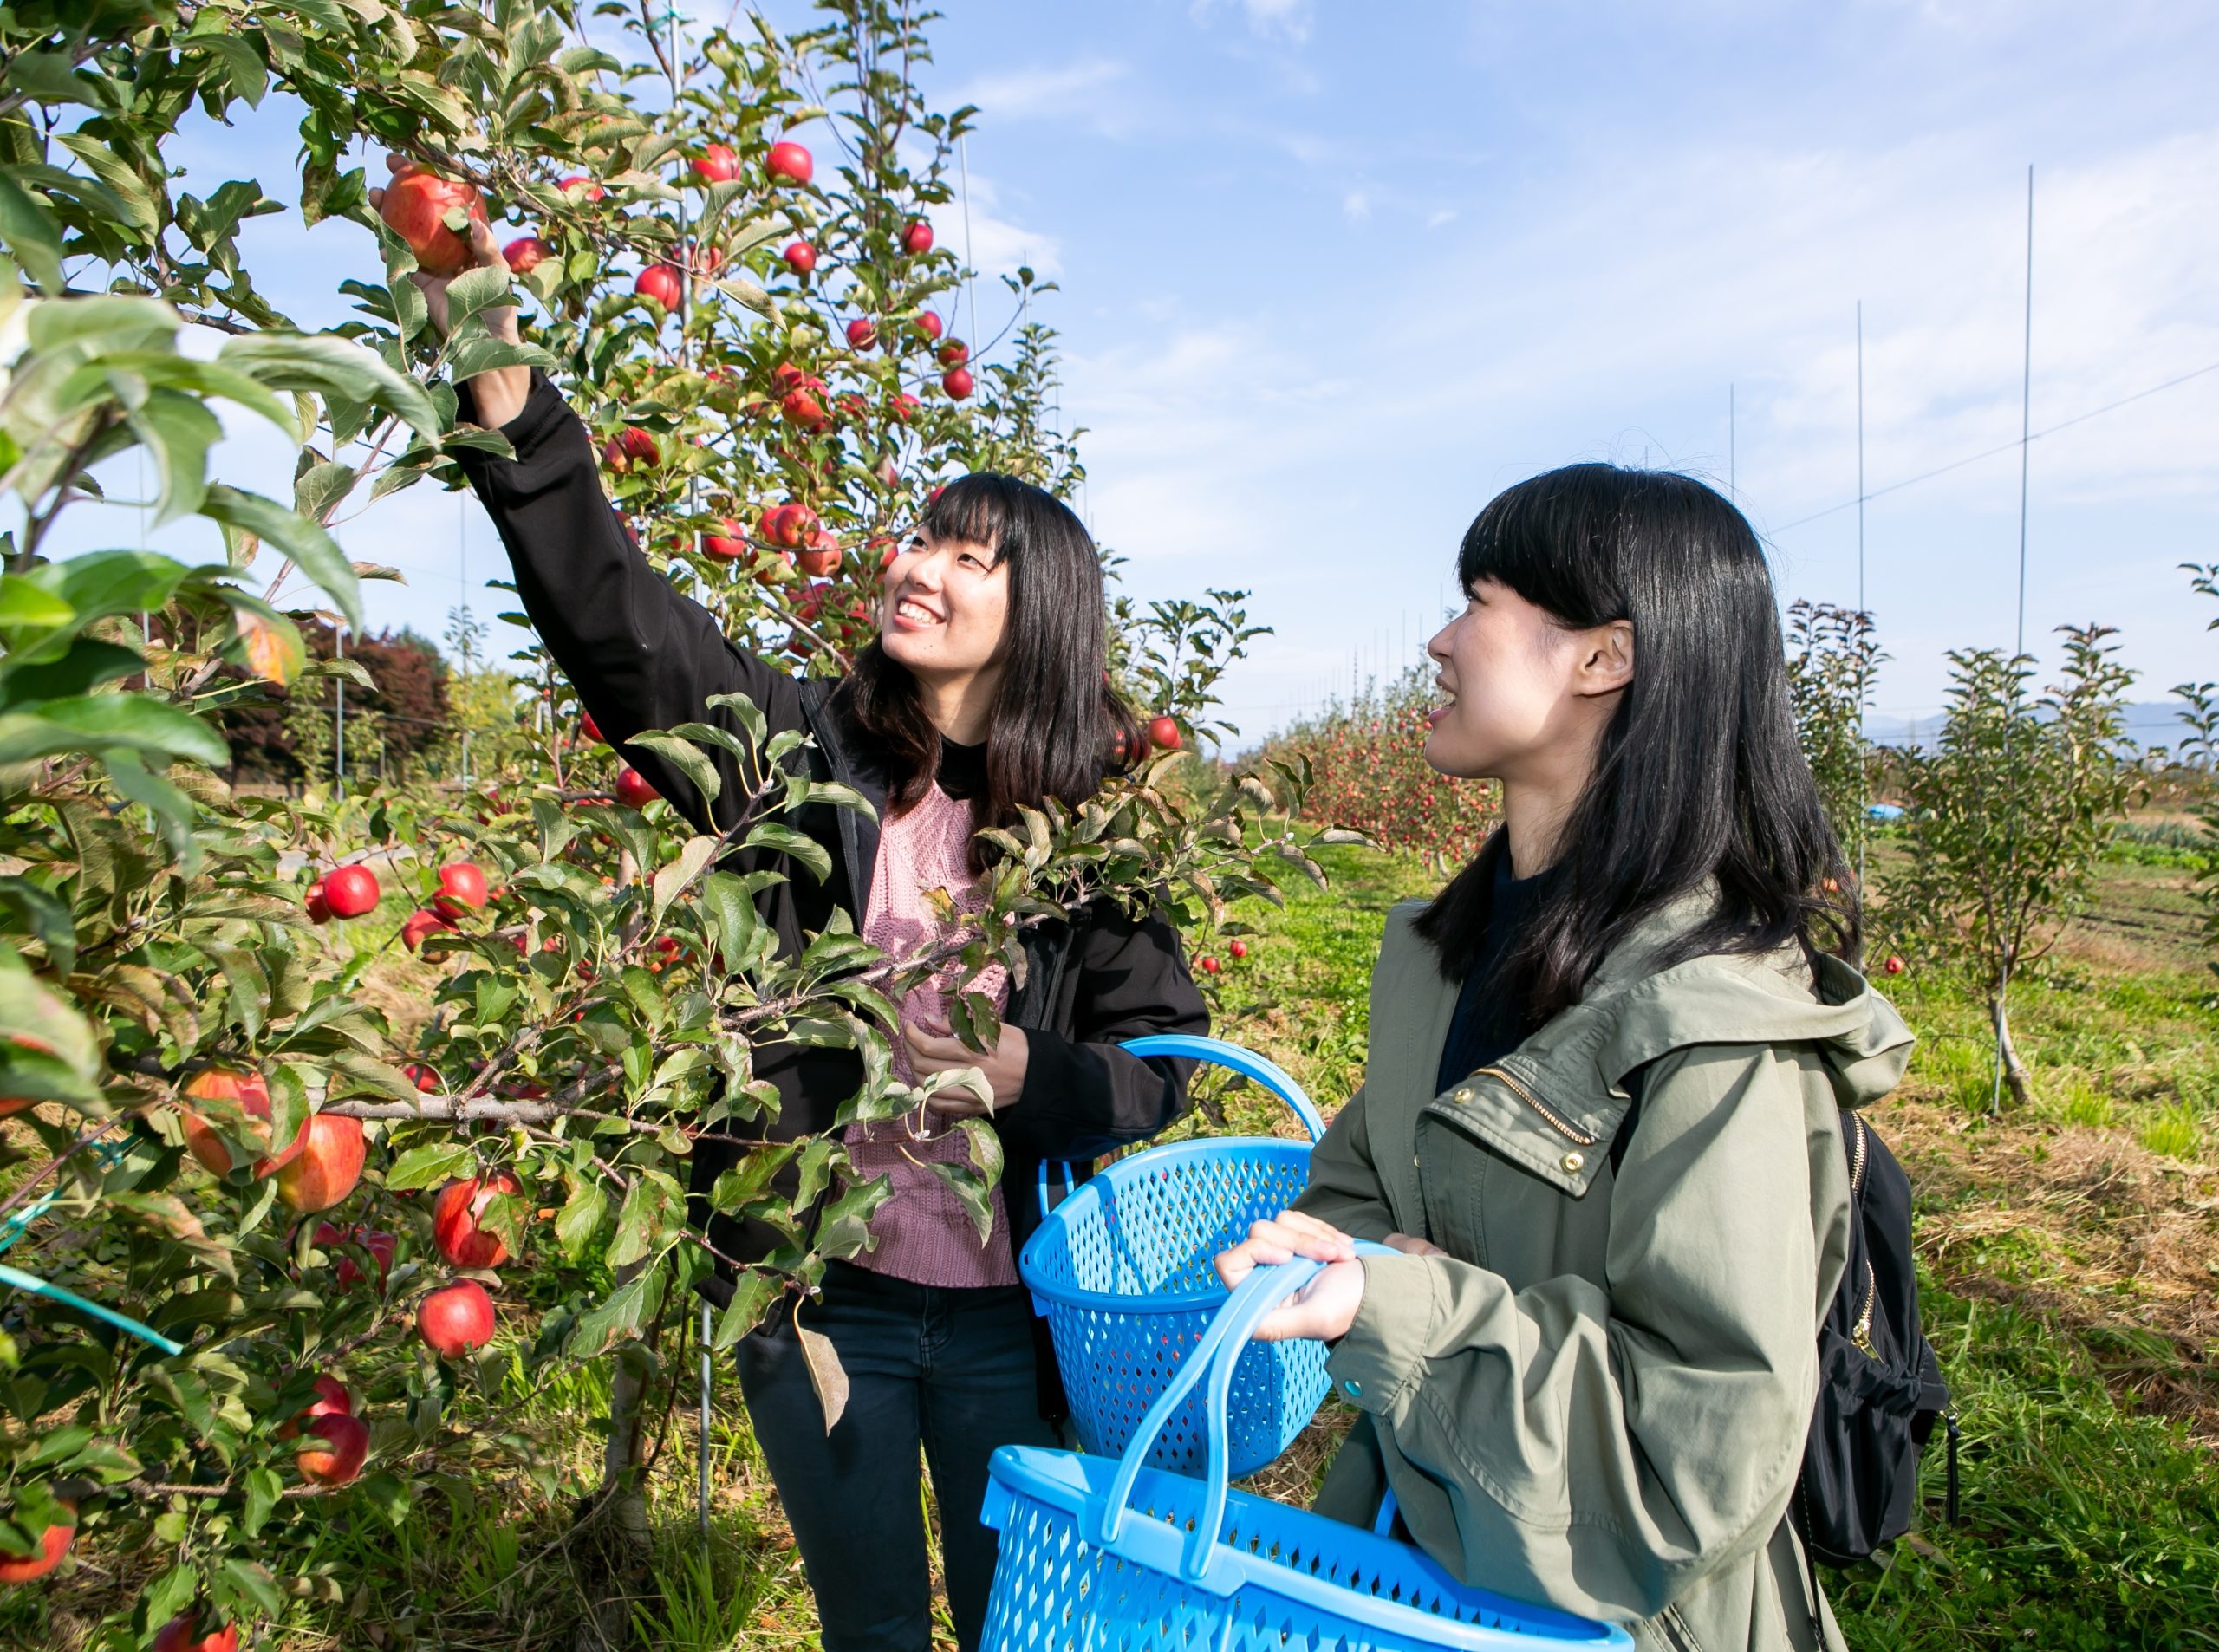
[[32, 235], [105, 582], [315, 552], [746, 711], [254, 1585], [322, 485], [173, 817], [672, 879], [843, 1229], [262, 1490], [87, 665], [581, 1219], [24, 604], [732, 914], [178, 430], [798, 845], [138, 722], [653, 1209], [331, 364], [972, 1191], [754, 1293], [473, 290], [477, 356], [434, 1161], [687, 759], [616, 1319]]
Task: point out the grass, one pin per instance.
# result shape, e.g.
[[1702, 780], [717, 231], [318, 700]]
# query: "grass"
[[2070, 1256]]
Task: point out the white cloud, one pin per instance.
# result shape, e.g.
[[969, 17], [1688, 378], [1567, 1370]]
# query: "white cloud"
[[992, 244], [1281, 19], [1355, 206], [1441, 215], [1089, 91]]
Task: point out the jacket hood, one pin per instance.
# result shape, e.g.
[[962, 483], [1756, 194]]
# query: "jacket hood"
[[1633, 1013]]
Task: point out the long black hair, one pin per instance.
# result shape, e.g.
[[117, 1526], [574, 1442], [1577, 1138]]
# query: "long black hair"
[[1058, 728], [1699, 774]]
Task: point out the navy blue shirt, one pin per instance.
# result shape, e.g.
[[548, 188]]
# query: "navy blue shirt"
[[1490, 1020]]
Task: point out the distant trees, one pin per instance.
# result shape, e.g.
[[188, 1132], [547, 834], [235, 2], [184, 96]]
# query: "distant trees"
[[287, 738]]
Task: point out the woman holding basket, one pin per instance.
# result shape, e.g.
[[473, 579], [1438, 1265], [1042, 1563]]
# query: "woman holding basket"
[[1588, 1378], [984, 693]]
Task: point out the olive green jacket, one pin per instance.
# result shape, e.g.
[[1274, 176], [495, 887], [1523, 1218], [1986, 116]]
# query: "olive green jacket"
[[1598, 1398]]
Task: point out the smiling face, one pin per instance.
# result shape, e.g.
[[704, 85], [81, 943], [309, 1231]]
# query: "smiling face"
[[945, 613], [1524, 692]]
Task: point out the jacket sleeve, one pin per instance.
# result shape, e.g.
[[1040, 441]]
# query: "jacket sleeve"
[[1604, 1451], [1344, 1188], [1083, 1095], [640, 655]]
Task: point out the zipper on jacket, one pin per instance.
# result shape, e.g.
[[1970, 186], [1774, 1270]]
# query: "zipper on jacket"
[[1858, 1157], [1570, 1132], [1862, 1335], [1676, 1630]]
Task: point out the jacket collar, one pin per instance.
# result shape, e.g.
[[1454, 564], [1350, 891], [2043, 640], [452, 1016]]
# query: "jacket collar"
[[1555, 1102]]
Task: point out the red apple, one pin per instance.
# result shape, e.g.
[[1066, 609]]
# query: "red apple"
[[252, 1095], [628, 447], [456, 1318], [957, 382], [729, 545], [182, 1634], [421, 925], [1163, 733], [326, 1164], [454, 1221], [350, 891], [632, 790], [789, 163], [425, 1079], [588, 726], [526, 254], [585, 186], [462, 883], [331, 1395], [823, 558], [416, 205], [917, 238], [376, 1241], [902, 407], [1894, 966], [862, 335], [717, 164], [928, 324], [346, 1439], [660, 282], [954, 352], [1210, 966], [315, 904], [800, 257], [53, 1544], [1238, 948], [11, 1105], [801, 407]]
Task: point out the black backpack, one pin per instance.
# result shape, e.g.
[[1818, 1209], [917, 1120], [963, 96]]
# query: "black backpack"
[[1880, 1387]]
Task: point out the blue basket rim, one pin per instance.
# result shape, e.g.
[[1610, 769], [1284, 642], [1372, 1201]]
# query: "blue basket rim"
[[1068, 1481], [1094, 1189]]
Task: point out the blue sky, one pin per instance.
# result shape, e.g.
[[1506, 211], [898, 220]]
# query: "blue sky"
[[1333, 275]]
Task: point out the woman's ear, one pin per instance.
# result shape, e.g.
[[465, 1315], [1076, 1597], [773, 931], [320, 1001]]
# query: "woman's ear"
[[1605, 658]]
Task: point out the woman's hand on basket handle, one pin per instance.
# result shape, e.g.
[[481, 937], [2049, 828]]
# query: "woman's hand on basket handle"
[[501, 392], [1325, 1308]]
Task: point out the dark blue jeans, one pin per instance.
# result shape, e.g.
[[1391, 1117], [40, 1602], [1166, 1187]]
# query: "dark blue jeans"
[[949, 1371]]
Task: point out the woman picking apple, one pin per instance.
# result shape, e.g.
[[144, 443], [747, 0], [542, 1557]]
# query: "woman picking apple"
[[984, 693]]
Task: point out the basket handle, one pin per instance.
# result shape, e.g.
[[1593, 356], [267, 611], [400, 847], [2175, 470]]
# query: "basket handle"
[[1247, 1063], [1215, 1356]]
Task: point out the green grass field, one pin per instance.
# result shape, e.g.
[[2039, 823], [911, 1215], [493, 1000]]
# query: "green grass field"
[[2072, 1254]]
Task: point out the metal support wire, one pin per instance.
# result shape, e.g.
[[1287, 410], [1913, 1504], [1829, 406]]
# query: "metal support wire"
[[708, 1377]]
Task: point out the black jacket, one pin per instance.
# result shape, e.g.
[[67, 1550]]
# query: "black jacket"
[[642, 656]]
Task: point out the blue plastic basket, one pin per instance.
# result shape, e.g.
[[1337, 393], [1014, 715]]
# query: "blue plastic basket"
[[1098, 1556], [1122, 1271]]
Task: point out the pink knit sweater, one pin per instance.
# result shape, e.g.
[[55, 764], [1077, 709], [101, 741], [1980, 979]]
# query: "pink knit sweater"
[[922, 1232]]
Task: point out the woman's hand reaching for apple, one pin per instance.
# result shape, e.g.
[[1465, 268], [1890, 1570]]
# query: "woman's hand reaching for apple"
[[499, 393]]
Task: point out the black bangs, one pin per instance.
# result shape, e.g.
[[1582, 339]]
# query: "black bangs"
[[1550, 540], [977, 510]]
